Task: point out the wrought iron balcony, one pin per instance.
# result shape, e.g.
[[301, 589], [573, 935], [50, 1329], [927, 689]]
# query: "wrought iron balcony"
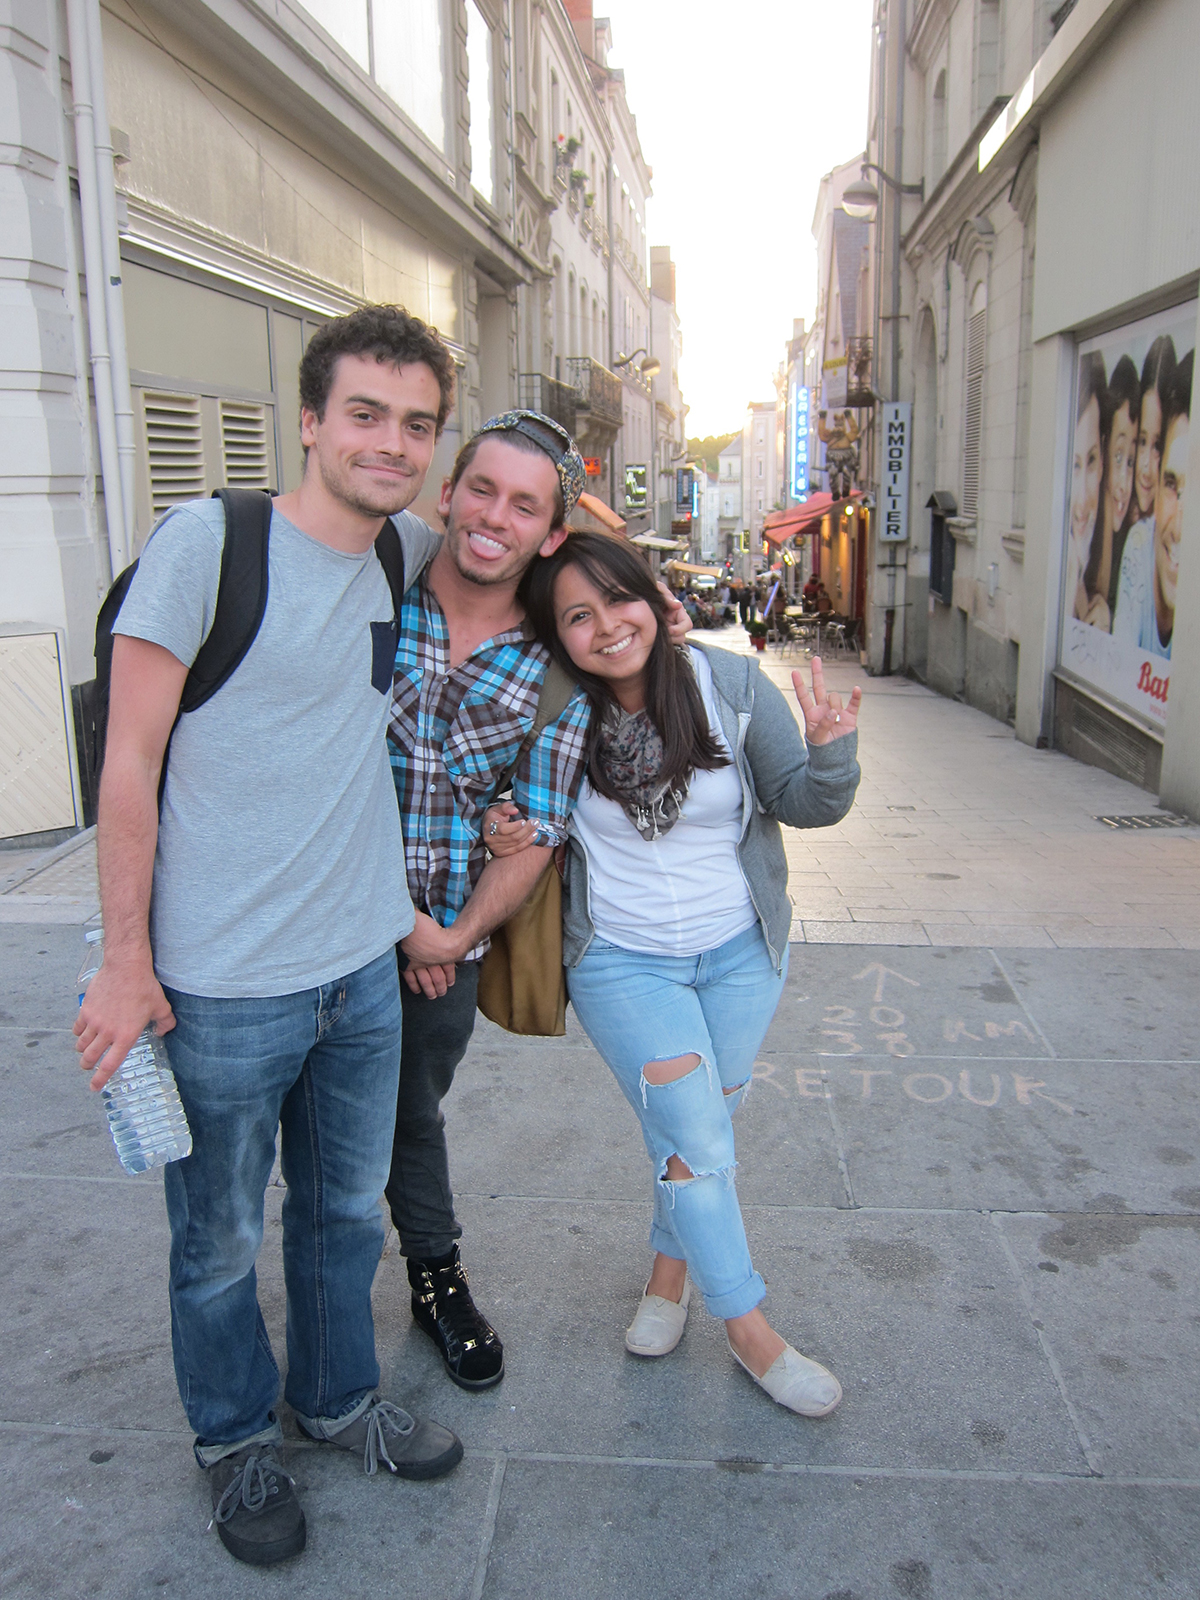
[[597, 389], [859, 391], [537, 392]]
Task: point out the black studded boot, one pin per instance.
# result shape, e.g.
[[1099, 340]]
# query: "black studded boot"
[[442, 1306]]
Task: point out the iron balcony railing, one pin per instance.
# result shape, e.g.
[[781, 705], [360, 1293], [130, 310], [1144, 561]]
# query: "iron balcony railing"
[[859, 391], [597, 389], [553, 399]]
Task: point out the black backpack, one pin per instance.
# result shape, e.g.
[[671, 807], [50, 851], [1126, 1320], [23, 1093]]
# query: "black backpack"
[[241, 603]]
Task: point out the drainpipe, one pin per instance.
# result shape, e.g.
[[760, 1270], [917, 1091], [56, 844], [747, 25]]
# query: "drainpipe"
[[110, 244], [93, 272], [897, 161], [610, 354]]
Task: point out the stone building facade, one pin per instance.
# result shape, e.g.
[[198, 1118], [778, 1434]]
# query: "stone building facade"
[[193, 188], [1038, 250]]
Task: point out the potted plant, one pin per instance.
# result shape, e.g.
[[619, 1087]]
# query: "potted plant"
[[578, 177], [758, 633], [572, 144]]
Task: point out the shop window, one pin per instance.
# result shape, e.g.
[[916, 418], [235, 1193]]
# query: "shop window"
[[407, 39], [346, 22], [937, 129], [479, 98], [987, 55]]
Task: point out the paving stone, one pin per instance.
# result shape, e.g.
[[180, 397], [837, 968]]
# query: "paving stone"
[[110, 1513], [1114, 1292], [734, 1530]]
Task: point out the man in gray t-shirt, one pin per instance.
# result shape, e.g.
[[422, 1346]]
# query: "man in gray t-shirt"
[[254, 920]]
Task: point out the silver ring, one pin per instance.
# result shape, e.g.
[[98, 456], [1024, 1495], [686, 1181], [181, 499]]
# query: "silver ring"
[[837, 718], [491, 827]]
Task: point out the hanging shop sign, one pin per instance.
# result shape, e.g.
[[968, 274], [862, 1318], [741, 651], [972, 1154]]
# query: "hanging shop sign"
[[833, 375], [799, 417], [897, 458], [635, 488], [1121, 543]]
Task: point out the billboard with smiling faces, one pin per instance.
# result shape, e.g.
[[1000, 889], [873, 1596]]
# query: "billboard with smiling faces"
[[1124, 520]]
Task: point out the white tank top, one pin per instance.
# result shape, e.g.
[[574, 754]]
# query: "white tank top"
[[683, 893]]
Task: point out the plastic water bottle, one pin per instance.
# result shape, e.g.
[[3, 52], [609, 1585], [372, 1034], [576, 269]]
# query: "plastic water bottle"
[[145, 1115]]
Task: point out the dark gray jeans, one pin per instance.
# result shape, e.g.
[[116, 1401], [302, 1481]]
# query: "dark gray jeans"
[[434, 1040]]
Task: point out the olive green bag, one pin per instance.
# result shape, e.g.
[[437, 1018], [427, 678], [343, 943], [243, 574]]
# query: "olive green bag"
[[522, 987]]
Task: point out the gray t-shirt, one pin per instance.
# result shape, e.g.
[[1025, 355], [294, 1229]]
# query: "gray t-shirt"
[[280, 864]]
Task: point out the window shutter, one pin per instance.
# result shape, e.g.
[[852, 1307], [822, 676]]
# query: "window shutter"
[[244, 445], [174, 449], [976, 344]]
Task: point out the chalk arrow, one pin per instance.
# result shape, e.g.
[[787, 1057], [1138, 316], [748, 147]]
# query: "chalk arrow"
[[881, 974]]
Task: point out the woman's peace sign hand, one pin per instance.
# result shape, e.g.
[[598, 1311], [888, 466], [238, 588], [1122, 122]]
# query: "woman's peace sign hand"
[[825, 717]]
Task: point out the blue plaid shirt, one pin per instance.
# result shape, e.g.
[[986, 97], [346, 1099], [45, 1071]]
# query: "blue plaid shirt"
[[452, 736]]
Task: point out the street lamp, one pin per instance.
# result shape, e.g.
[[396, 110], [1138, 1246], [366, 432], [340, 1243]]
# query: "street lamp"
[[649, 368], [861, 199]]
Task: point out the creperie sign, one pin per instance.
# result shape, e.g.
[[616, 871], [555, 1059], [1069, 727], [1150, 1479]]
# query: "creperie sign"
[[897, 450]]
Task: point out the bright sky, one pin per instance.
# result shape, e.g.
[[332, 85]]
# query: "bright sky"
[[741, 110]]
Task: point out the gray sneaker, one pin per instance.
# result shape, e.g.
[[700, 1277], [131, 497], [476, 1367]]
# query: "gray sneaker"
[[255, 1509], [384, 1432]]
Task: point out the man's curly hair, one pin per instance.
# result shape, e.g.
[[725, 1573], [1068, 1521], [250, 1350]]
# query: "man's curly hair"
[[390, 335]]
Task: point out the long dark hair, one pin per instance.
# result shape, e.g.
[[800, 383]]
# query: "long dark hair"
[[673, 701], [1158, 373], [1124, 389]]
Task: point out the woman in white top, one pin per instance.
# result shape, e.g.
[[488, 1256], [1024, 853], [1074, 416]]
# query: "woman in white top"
[[676, 914]]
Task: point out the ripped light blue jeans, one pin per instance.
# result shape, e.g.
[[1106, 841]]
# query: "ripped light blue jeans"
[[638, 1009]]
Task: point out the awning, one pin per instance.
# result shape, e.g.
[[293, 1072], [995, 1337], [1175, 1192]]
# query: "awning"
[[652, 541], [602, 514], [694, 571], [780, 526]]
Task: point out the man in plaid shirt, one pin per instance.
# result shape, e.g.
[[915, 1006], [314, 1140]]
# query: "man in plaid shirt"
[[465, 695]]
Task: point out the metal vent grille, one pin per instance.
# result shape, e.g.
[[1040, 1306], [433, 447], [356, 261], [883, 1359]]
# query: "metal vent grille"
[[976, 346], [1110, 739], [1153, 819], [244, 444], [174, 449]]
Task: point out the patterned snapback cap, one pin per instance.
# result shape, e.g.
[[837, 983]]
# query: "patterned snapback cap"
[[554, 439]]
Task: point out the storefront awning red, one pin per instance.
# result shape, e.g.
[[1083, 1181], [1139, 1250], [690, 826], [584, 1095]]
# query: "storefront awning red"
[[780, 526]]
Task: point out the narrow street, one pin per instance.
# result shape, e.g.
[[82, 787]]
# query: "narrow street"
[[969, 1172]]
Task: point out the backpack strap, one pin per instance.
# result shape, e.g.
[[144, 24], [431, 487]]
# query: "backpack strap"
[[554, 696], [391, 558], [241, 595]]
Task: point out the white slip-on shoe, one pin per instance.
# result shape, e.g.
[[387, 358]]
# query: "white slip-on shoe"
[[803, 1386], [657, 1326]]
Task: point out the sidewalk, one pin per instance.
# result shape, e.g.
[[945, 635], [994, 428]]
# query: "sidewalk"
[[970, 1171]]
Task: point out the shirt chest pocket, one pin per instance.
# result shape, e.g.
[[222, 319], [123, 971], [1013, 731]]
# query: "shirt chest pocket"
[[384, 637]]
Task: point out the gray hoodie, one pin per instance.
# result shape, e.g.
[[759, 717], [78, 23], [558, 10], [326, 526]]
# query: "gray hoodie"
[[783, 780]]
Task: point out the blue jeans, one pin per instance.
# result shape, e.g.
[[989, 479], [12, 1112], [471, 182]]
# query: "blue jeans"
[[638, 1009], [321, 1066]]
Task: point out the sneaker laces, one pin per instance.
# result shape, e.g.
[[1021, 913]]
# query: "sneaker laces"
[[383, 1418], [454, 1307], [251, 1486]]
